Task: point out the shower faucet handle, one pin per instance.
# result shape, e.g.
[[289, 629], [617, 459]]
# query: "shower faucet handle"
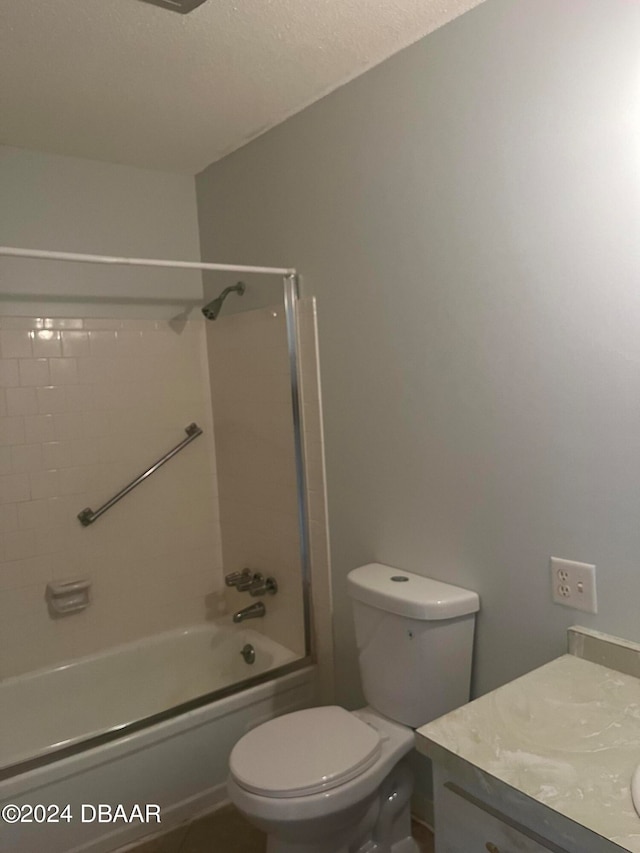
[[262, 585], [246, 581], [241, 580], [254, 582]]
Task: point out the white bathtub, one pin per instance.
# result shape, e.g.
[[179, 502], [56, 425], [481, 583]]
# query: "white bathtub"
[[179, 764]]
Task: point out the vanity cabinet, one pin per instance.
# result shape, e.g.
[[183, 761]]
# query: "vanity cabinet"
[[526, 769], [465, 824], [476, 813]]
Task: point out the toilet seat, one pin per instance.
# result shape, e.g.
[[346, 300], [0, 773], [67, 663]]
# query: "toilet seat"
[[303, 753]]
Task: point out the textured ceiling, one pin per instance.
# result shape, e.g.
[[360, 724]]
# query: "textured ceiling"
[[128, 82]]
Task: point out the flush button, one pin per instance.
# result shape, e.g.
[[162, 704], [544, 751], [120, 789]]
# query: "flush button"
[[399, 578]]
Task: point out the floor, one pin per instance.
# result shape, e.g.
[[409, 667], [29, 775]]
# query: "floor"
[[226, 830]]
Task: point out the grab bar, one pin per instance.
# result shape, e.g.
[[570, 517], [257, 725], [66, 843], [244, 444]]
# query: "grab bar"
[[88, 516]]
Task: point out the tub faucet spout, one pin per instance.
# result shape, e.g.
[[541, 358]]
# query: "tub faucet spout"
[[253, 611]]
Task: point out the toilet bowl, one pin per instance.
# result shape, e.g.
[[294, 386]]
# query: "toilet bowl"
[[328, 780], [337, 793]]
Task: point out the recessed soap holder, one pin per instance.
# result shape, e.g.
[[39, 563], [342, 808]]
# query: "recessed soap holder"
[[66, 597]]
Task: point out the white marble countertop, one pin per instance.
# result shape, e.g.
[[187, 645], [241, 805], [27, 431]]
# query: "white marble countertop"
[[567, 735]]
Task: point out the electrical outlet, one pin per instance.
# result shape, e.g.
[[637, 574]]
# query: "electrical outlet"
[[574, 584]]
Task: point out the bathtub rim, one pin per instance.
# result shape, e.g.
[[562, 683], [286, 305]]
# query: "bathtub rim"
[[221, 622], [120, 732]]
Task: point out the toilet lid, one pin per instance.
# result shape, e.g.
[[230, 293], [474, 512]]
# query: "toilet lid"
[[304, 753]]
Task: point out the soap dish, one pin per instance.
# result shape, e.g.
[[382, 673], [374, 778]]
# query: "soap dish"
[[66, 597]]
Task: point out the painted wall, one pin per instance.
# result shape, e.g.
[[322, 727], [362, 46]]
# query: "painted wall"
[[467, 216], [68, 204]]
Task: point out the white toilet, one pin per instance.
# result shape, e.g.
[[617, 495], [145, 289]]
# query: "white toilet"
[[327, 780]]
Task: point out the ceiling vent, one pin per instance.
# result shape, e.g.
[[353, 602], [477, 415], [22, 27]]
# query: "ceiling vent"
[[182, 6]]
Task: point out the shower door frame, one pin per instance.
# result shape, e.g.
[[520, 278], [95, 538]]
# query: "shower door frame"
[[291, 295]]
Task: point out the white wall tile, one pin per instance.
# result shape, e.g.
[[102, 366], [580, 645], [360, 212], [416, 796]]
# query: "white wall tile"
[[26, 458], [22, 573], [33, 514], [64, 371], [79, 398], [8, 517], [51, 399], [58, 454], [44, 484], [46, 343], [27, 323], [34, 371], [14, 488], [130, 343], [5, 459], [38, 428], [103, 344], [11, 430], [9, 376], [86, 451], [14, 576], [68, 426], [19, 544], [62, 511], [72, 481], [15, 344], [51, 540], [102, 323], [62, 323], [75, 344], [21, 401]]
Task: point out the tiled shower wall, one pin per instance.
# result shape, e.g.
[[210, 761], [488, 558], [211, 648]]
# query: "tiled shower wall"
[[86, 405]]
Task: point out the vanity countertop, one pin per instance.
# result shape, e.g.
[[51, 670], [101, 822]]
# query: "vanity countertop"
[[567, 735]]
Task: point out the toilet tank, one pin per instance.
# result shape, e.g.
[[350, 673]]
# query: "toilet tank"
[[415, 642]]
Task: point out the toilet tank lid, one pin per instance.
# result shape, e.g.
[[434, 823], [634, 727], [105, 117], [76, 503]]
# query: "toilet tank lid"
[[407, 594]]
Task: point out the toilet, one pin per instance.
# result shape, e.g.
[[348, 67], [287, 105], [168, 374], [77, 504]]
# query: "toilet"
[[328, 780]]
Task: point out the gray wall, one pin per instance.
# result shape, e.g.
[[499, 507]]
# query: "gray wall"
[[467, 214], [69, 204]]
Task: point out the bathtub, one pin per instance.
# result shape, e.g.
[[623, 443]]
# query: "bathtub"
[[177, 762]]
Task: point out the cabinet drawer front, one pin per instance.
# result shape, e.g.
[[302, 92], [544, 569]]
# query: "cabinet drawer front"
[[465, 825]]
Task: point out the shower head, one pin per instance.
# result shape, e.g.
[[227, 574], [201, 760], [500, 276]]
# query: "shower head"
[[212, 309]]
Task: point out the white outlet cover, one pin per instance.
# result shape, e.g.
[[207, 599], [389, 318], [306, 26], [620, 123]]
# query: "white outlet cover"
[[573, 584]]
